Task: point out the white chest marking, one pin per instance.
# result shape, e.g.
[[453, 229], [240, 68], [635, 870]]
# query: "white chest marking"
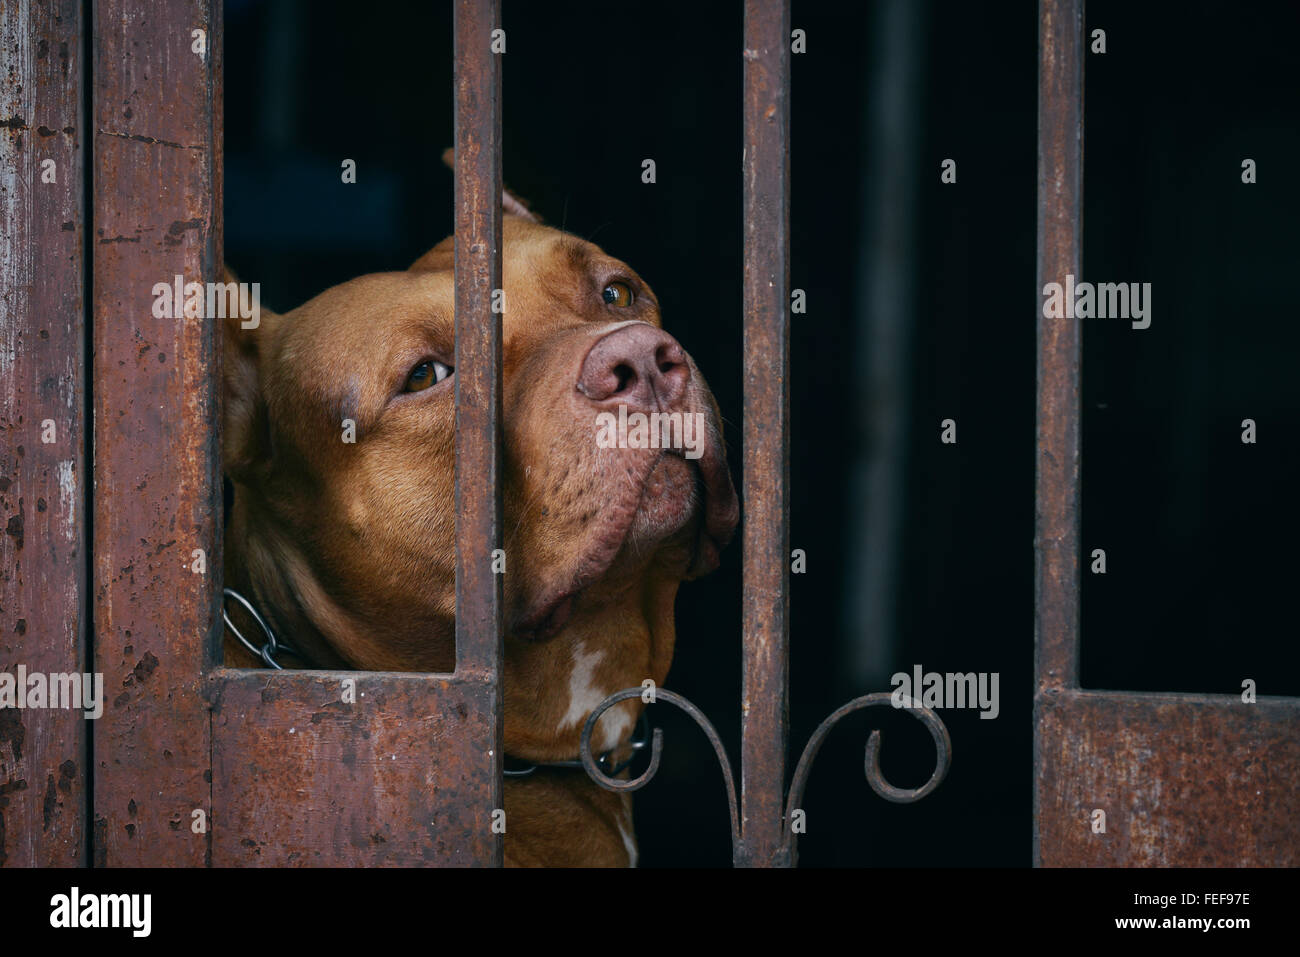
[[629, 844], [584, 696]]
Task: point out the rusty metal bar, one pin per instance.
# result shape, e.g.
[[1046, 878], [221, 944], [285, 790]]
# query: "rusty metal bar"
[[397, 777], [43, 759], [1124, 779], [157, 127], [1183, 780], [478, 364], [766, 460], [1060, 253]]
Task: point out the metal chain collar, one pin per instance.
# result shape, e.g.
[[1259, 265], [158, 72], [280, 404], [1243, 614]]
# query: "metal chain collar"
[[272, 647], [637, 743]]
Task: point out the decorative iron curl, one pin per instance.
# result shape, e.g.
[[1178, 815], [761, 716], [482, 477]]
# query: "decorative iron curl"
[[656, 746], [871, 762]]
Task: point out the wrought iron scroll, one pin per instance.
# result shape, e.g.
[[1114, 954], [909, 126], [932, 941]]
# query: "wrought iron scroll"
[[656, 746], [871, 762]]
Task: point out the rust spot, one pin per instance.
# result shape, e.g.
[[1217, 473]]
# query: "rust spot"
[[40, 505], [135, 137], [145, 666], [46, 131], [67, 773], [49, 803], [333, 708], [99, 842], [20, 626], [179, 226], [131, 808], [12, 730], [13, 123], [14, 527], [68, 227]]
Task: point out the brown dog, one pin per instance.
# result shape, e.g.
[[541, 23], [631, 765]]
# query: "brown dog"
[[346, 548]]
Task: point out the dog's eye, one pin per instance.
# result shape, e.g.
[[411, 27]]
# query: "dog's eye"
[[426, 374], [617, 294]]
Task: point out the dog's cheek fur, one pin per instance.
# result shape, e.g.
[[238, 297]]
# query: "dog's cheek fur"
[[568, 501]]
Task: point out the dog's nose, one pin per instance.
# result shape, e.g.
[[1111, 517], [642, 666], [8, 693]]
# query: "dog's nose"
[[638, 366]]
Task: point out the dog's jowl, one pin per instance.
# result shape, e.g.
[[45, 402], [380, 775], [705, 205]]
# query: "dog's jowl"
[[339, 440]]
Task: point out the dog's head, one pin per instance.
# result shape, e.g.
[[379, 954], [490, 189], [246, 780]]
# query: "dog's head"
[[339, 437]]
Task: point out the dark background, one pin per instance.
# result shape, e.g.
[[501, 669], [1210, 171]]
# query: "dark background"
[[1198, 528]]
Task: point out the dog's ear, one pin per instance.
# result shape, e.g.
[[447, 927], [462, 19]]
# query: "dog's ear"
[[442, 257], [510, 203], [245, 443]]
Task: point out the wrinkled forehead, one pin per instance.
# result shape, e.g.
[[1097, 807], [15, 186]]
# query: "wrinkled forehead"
[[370, 311], [551, 279]]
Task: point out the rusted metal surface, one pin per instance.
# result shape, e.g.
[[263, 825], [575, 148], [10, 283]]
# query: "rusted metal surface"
[[1185, 780], [766, 458], [478, 379], [391, 774], [157, 495], [1060, 251], [42, 387]]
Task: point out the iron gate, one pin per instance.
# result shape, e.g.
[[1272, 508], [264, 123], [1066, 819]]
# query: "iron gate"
[[1191, 780], [195, 764]]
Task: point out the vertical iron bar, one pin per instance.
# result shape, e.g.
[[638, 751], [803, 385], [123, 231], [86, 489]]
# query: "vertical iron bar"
[[766, 468], [156, 454], [1060, 253], [478, 362], [43, 427]]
